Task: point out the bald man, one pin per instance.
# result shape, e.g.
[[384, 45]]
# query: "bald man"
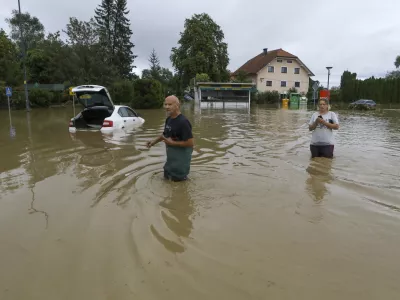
[[178, 139]]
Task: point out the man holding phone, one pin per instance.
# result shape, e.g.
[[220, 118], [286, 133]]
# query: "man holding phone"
[[178, 138], [322, 123]]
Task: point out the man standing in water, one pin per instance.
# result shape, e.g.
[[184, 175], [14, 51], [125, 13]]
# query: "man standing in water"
[[178, 139], [322, 123]]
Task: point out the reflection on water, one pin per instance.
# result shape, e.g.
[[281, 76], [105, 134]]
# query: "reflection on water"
[[89, 216], [320, 170]]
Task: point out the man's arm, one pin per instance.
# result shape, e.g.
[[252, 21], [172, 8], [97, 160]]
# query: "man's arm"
[[155, 141]]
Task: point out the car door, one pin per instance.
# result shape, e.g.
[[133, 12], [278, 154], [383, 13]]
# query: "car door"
[[132, 115], [125, 117]]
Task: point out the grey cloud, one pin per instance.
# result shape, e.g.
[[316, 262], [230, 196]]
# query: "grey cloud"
[[348, 35]]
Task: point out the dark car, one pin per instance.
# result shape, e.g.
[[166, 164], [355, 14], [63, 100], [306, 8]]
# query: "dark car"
[[363, 104]]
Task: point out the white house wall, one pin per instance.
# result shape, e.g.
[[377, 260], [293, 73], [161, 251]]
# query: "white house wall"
[[277, 77]]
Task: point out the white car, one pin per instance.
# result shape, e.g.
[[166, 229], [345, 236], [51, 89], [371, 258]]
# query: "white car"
[[100, 113]]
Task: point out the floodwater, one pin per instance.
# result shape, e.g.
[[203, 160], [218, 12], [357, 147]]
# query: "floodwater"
[[87, 216]]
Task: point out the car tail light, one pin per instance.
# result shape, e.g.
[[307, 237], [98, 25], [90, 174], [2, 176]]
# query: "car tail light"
[[108, 123]]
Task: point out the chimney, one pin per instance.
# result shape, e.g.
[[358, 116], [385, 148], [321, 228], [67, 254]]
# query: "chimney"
[[265, 51]]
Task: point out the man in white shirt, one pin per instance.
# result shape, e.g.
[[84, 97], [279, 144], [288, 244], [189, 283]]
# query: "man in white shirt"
[[321, 124]]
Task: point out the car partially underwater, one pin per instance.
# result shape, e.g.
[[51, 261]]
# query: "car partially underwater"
[[100, 113], [363, 104]]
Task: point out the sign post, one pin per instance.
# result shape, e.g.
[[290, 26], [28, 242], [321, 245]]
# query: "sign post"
[[71, 93], [9, 94]]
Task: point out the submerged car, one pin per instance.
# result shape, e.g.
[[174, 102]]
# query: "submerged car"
[[100, 113], [363, 104]]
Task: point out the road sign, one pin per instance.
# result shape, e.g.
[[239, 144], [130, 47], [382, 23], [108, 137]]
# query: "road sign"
[[315, 85], [71, 93], [8, 91]]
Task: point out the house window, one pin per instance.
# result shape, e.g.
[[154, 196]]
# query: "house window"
[[297, 84], [296, 70], [279, 60], [269, 83], [283, 69], [289, 61], [283, 83], [271, 69]]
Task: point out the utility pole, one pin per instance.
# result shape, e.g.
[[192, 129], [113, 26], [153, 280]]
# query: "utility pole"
[[23, 58]]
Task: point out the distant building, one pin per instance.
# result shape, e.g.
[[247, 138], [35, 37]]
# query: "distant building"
[[277, 70]]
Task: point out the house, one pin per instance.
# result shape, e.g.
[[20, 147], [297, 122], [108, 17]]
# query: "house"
[[277, 70]]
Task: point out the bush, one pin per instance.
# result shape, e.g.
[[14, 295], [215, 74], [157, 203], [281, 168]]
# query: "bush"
[[122, 92], [40, 98], [267, 97], [148, 93]]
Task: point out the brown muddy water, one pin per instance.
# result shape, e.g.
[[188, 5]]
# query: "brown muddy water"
[[87, 216]]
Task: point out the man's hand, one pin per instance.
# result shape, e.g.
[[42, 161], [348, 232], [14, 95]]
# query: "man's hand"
[[149, 144], [169, 141]]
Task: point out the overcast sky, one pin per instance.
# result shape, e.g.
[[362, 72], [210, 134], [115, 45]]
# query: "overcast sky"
[[357, 35]]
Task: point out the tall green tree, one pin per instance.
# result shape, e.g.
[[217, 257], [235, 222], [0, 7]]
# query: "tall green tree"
[[105, 24], [348, 86], [397, 62], [201, 50], [86, 59], [48, 62], [9, 65], [123, 45], [155, 68], [115, 35], [32, 29]]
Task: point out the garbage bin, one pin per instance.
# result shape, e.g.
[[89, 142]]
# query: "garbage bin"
[[285, 103]]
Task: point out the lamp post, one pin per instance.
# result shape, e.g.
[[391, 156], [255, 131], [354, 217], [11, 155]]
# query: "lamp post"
[[329, 73], [23, 58]]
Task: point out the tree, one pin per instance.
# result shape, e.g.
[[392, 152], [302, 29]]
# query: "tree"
[[81, 33], [32, 29], [201, 50], [148, 94], [105, 24], [203, 77], [115, 35], [397, 62], [86, 60], [242, 76], [155, 68], [48, 62], [348, 86], [11, 73]]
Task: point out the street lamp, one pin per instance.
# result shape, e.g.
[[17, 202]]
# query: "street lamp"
[[329, 73], [23, 58]]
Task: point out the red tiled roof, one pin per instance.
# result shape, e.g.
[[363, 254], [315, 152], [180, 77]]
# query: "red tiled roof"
[[258, 62]]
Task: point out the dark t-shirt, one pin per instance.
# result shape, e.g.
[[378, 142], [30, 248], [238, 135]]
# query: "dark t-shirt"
[[179, 129], [178, 161]]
